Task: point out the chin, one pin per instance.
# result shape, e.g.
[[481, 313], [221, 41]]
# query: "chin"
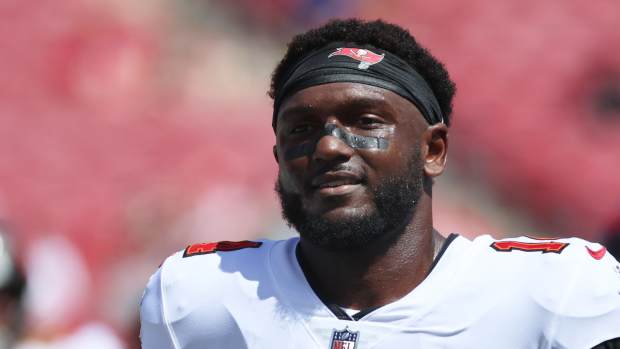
[[338, 222], [345, 214], [342, 228]]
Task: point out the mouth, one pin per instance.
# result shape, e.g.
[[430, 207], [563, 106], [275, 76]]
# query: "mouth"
[[336, 183]]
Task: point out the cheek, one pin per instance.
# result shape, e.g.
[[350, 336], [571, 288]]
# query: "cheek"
[[393, 162], [291, 174]]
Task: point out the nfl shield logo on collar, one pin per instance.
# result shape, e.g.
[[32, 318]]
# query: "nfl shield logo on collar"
[[344, 339]]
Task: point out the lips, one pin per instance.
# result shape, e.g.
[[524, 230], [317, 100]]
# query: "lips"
[[334, 179]]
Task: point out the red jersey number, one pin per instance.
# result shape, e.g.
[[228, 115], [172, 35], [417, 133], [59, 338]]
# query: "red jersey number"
[[212, 247], [544, 247]]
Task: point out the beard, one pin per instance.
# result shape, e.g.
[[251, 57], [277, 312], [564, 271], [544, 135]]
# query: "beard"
[[395, 199]]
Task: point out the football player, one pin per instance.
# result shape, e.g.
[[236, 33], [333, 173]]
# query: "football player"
[[361, 116]]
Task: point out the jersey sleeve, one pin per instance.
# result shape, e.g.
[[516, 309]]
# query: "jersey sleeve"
[[155, 332], [590, 308]]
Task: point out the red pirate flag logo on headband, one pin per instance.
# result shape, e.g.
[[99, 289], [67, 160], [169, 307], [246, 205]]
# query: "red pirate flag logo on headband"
[[364, 56]]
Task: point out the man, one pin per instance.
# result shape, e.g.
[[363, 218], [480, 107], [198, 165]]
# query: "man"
[[361, 116]]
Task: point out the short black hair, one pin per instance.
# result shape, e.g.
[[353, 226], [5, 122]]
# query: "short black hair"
[[380, 34]]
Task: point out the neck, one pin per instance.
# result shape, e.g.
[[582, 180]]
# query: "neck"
[[374, 275]]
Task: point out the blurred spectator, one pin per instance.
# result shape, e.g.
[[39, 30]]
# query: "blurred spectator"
[[58, 286], [91, 336], [611, 238], [12, 286]]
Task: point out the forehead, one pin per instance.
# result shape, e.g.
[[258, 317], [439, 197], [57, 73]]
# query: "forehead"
[[332, 97]]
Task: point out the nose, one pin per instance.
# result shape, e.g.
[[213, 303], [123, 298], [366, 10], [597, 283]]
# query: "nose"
[[330, 148]]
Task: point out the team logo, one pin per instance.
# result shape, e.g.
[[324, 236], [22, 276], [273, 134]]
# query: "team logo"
[[344, 339], [365, 57]]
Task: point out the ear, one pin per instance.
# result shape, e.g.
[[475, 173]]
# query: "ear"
[[435, 140], [275, 154]]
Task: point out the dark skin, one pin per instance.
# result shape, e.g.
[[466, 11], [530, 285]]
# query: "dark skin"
[[337, 182]]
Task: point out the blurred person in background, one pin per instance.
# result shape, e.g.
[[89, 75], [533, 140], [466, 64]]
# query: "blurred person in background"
[[611, 238], [12, 289], [361, 116], [57, 282]]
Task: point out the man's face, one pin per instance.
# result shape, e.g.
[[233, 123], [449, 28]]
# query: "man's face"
[[337, 195]]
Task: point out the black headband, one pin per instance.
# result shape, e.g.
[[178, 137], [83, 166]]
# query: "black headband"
[[342, 62]]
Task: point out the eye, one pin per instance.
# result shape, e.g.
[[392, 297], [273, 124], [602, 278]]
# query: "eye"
[[302, 128], [367, 121]]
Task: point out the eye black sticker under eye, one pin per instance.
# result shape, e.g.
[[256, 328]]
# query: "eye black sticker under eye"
[[350, 139]]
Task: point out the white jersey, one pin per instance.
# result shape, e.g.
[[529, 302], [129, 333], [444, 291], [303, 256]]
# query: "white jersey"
[[486, 293]]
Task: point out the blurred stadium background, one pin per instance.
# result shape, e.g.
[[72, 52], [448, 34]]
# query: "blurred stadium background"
[[132, 128]]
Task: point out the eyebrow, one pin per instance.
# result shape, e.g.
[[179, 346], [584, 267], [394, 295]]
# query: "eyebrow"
[[356, 102], [299, 109]]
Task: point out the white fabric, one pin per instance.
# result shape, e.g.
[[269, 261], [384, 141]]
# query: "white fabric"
[[91, 336], [475, 297]]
